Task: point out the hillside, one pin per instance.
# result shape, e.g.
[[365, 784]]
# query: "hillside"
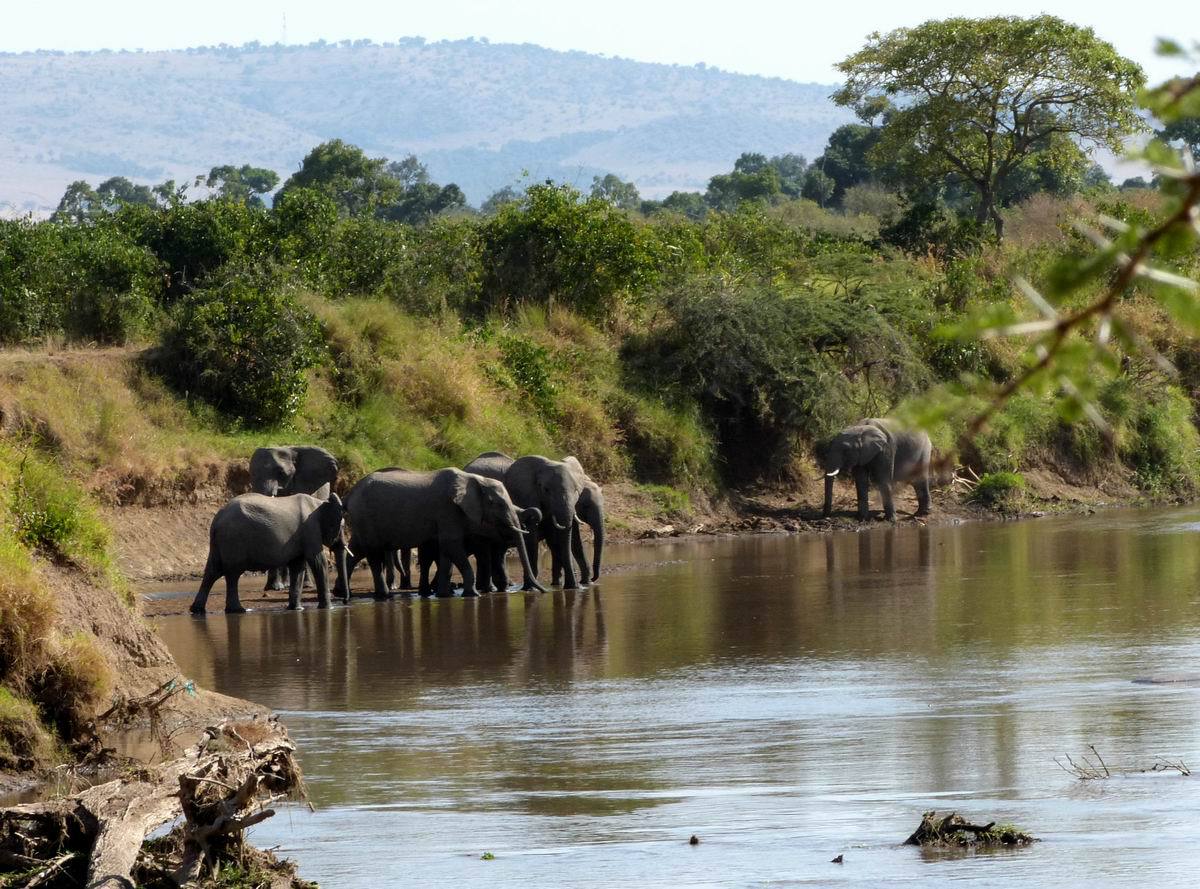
[[479, 114]]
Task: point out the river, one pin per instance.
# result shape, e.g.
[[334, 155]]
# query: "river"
[[784, 699]]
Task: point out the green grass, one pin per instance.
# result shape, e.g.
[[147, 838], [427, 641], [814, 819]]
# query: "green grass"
[[1002, 491]]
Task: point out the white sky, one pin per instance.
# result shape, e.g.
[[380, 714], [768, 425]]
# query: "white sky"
[[783, 38]]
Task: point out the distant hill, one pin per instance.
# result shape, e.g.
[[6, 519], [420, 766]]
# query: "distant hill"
[[478, 114]]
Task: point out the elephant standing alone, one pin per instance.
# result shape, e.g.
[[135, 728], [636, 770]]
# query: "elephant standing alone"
[[878, 451], [254, 532], [291, 469]]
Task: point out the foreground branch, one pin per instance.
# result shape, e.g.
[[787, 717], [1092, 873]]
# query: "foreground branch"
[[220, 787]]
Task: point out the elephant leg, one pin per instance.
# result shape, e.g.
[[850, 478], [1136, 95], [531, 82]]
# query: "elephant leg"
[[499, 572], [884, 482], [375, 559], [211, 572], [577, 550], [389, 569], [425, 558], [862, 487], [555, 566], [275, 580], [483, 568], [316, 565], [444, 590], [233, 603], [295, 584], [561, 541], [921, 488], [457, 554], [404, 557]]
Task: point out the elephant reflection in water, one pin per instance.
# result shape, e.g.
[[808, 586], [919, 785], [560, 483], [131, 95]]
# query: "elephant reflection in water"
[[557, 640]]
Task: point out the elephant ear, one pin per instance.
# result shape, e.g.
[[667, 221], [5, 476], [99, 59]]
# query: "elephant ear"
[[468, 497], [872, 441]]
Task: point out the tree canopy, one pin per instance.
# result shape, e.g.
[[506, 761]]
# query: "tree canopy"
[[978, 98]]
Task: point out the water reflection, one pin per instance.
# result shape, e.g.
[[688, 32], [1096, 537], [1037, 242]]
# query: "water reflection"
[[779, 694]]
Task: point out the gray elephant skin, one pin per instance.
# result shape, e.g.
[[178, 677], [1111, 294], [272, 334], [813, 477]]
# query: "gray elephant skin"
[[554, 487], [878, 451], [254, 532], [392, 509], [589, 510], [290, 469], [488, 552]]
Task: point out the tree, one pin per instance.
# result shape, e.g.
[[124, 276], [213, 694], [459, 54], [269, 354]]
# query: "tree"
[[417, 198], [846, 159], [978, 97], [79, 204], [753, 179], [1185, 132], [616, 191], [357, 184], [792, 168], [498, 199], [687, 203], [817, 187], [244, 184], [117, 191]]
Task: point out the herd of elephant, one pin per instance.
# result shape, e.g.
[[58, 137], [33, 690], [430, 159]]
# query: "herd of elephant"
[[447, 516]]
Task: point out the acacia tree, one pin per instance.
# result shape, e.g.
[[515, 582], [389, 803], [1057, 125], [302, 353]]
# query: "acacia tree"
[[977, 98]]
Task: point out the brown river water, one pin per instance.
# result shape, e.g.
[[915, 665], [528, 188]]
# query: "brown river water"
[[785, 699]]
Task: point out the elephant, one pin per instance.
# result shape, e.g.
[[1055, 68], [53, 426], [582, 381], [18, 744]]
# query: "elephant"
[[554, 487], [254, 532], [394, 508], [879, 451], [590, 510], [486, 548], [290, 469]]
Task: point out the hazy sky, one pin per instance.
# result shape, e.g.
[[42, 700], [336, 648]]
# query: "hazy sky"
[[784, 38]]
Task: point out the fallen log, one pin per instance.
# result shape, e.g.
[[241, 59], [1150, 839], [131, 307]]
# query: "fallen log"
[[221, 786], [954, 830]]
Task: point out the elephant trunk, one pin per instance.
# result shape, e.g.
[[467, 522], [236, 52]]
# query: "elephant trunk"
[[827, 509], [525, 566], [340, 553], [597, 547]]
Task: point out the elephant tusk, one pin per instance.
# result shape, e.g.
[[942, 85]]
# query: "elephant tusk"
[[560, 527], [832, 474]]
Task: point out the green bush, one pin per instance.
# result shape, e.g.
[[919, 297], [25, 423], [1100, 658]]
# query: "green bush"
[[1001, 491], [52, 514], [555, 246], [243, 349], [667, 444], [89, 283], [194, 241], [771, 366]]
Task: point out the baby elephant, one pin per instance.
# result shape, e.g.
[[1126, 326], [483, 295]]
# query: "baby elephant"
[[255, 532]]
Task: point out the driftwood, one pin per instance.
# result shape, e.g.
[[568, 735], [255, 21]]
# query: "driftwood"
[[220, 786], [953, 830]]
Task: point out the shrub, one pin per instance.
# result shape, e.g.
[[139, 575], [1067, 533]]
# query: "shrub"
[[667, 444], [554, 245], [27, 610], [54, 515], [1001, 491], [83, 282], [23, 740], [75, 681], [243, 349]]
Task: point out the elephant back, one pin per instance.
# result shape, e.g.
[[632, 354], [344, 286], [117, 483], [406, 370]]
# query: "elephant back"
[[491, 464]]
